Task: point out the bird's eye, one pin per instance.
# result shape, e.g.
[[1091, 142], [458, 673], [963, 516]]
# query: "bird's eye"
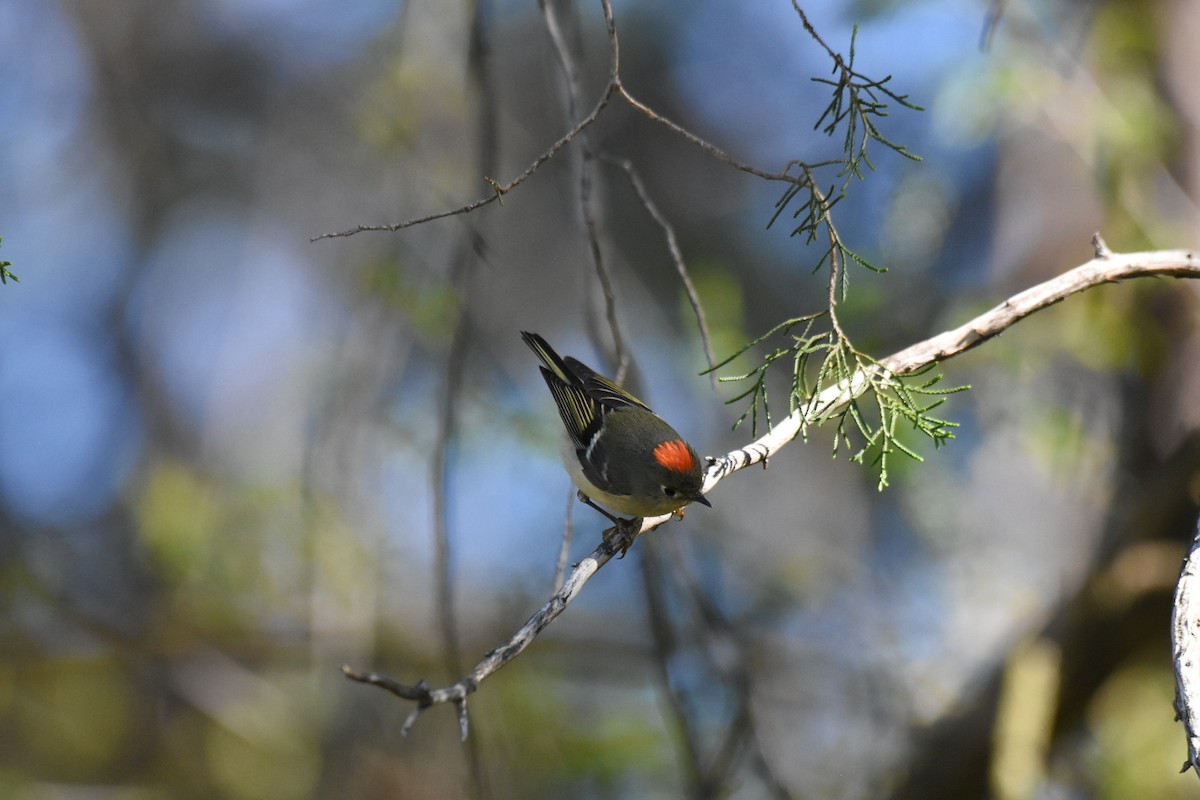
[[669, 491]]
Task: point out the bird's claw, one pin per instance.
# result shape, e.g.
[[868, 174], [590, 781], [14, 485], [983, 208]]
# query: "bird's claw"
[[625, 530]]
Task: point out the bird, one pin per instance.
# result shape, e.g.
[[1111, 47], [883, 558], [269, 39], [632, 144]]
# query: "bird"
[[620, 455]]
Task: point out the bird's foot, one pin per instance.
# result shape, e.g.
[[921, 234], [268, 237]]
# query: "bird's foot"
[[624, 532], [626, 529]]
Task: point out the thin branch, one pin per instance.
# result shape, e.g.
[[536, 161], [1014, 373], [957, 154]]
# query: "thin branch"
[[721, 635], [836, 275], [564, 549], [1107, 267], [681, 268], [501, 189], [567, 63], [811, 30], [498, 189], [470, 250], [603, 276], [443, 564], [991, 24], [724, 651], [496, 658], [665, 647], [587, 175], [706, 146]]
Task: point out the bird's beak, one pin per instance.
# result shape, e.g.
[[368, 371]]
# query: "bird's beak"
[[699, 498]]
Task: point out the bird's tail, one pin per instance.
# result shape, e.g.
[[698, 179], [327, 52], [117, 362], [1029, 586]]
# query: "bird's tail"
[[546, 354]]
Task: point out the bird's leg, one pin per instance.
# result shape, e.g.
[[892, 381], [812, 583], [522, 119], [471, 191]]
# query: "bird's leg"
[[587, 501], [626, 529]]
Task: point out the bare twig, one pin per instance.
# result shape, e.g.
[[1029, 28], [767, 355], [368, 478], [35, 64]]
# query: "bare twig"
[[564, 549], [639, 187], [991, 24], [836, 276], [816, 36], [496, 658], [721, 646], [587, 177], [719, 634], [708, 147], [470, 249], [438, 473], [498, 189], [665, 648]]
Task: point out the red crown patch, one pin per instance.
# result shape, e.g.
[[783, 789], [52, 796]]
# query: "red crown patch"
[[675, 456]]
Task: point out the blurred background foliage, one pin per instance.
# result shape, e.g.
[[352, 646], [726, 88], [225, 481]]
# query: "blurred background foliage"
[[216, 436]]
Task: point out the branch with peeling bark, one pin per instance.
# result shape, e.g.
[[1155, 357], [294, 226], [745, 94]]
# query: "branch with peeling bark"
[[1185, 640], [1105, 267]]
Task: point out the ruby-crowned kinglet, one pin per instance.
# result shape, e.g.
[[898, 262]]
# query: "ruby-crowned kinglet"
[[618, 452]]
